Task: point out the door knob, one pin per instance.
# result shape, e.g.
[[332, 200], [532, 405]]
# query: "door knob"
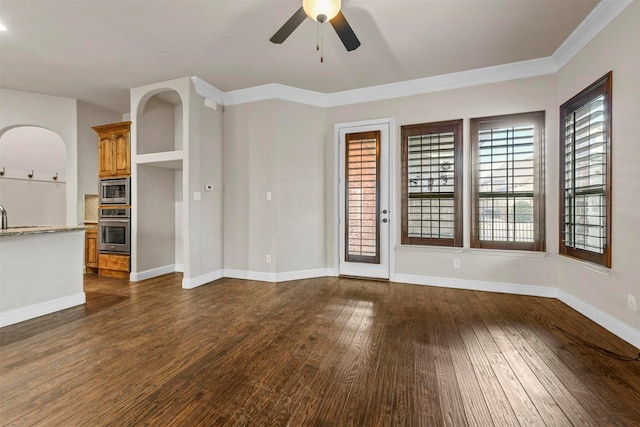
[[385, 220], [384, 211]]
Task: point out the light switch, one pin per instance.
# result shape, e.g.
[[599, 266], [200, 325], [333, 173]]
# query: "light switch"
[[268, 195], [197, 195], [208, 187]]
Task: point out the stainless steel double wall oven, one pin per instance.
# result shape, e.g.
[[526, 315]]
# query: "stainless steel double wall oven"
[[114, 217]]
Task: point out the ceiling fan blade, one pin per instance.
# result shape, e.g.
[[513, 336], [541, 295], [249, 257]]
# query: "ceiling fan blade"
[[346, 34], [289, 26]]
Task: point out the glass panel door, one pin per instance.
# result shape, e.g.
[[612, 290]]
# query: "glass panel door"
[[364, 218]]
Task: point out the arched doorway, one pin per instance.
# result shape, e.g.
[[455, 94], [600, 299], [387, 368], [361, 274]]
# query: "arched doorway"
[[33, 176]]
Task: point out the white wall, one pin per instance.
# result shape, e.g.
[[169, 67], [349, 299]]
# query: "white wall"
[[39, 274], [616, 49], [56, 114]]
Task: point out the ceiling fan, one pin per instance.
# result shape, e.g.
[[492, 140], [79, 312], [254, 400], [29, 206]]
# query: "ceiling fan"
[[320, 11]]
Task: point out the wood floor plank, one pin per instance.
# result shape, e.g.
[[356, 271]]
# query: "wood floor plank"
[[427, 396], [403, 409], [327, 351], [470, 319], [475, 405], [451, 401], [521, 403]]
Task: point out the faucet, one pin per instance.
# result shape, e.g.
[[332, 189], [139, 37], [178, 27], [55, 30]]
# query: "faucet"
[[3, 212]]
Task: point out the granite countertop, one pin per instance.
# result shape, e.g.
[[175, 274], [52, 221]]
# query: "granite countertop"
[[39, 229]]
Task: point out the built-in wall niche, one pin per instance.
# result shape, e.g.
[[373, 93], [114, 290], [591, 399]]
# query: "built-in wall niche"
[[160, 124], [33, 172]]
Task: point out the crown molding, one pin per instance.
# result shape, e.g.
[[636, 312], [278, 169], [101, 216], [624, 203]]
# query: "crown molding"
[[517, 70], [207, 90], [499, 73], [601, 16], [604, 12]]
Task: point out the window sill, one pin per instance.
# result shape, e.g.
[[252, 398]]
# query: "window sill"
[[423, 248], [605, 271], [506, 252]]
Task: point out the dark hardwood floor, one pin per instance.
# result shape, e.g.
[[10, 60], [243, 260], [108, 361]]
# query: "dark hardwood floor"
[[320, 352]]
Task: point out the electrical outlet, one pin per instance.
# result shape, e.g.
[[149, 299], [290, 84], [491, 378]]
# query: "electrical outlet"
[[631, 302], [456, 263], [268, 259]]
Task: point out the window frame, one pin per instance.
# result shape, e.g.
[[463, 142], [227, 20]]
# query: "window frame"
[[407, 131], [537, 118], [602, 86]]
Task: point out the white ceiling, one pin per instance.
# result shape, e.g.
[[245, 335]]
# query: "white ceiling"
[[96, 50]]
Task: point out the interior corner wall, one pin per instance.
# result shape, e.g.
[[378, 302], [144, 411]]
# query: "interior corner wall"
[[90, 115], [274, 147], [249, 173], [56, 114], [614, 49], [235, 137], [205, 168]]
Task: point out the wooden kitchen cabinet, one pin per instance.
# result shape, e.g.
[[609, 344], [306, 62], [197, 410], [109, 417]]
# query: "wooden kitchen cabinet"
[[114, 149], [91, 249], [112, 265]]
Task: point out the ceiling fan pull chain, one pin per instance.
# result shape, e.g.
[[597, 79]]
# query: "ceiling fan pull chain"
[[321, 45]]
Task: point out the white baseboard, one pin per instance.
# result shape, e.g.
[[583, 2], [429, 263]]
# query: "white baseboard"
[[154, 272], [250, 275], [40, 309], [303, 274], [278, 277], [475, 285], [610, 323], [203, 279]]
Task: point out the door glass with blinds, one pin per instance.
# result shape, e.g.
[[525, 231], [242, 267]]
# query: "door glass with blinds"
[[508, 182], [432, 184], [362, 164], [364, 213], [585, 174]]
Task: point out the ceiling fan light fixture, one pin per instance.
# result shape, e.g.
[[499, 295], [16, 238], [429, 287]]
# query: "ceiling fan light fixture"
[[321, 10]]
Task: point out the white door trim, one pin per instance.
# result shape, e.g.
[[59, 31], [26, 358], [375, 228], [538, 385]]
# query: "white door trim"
[[384, 124]]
